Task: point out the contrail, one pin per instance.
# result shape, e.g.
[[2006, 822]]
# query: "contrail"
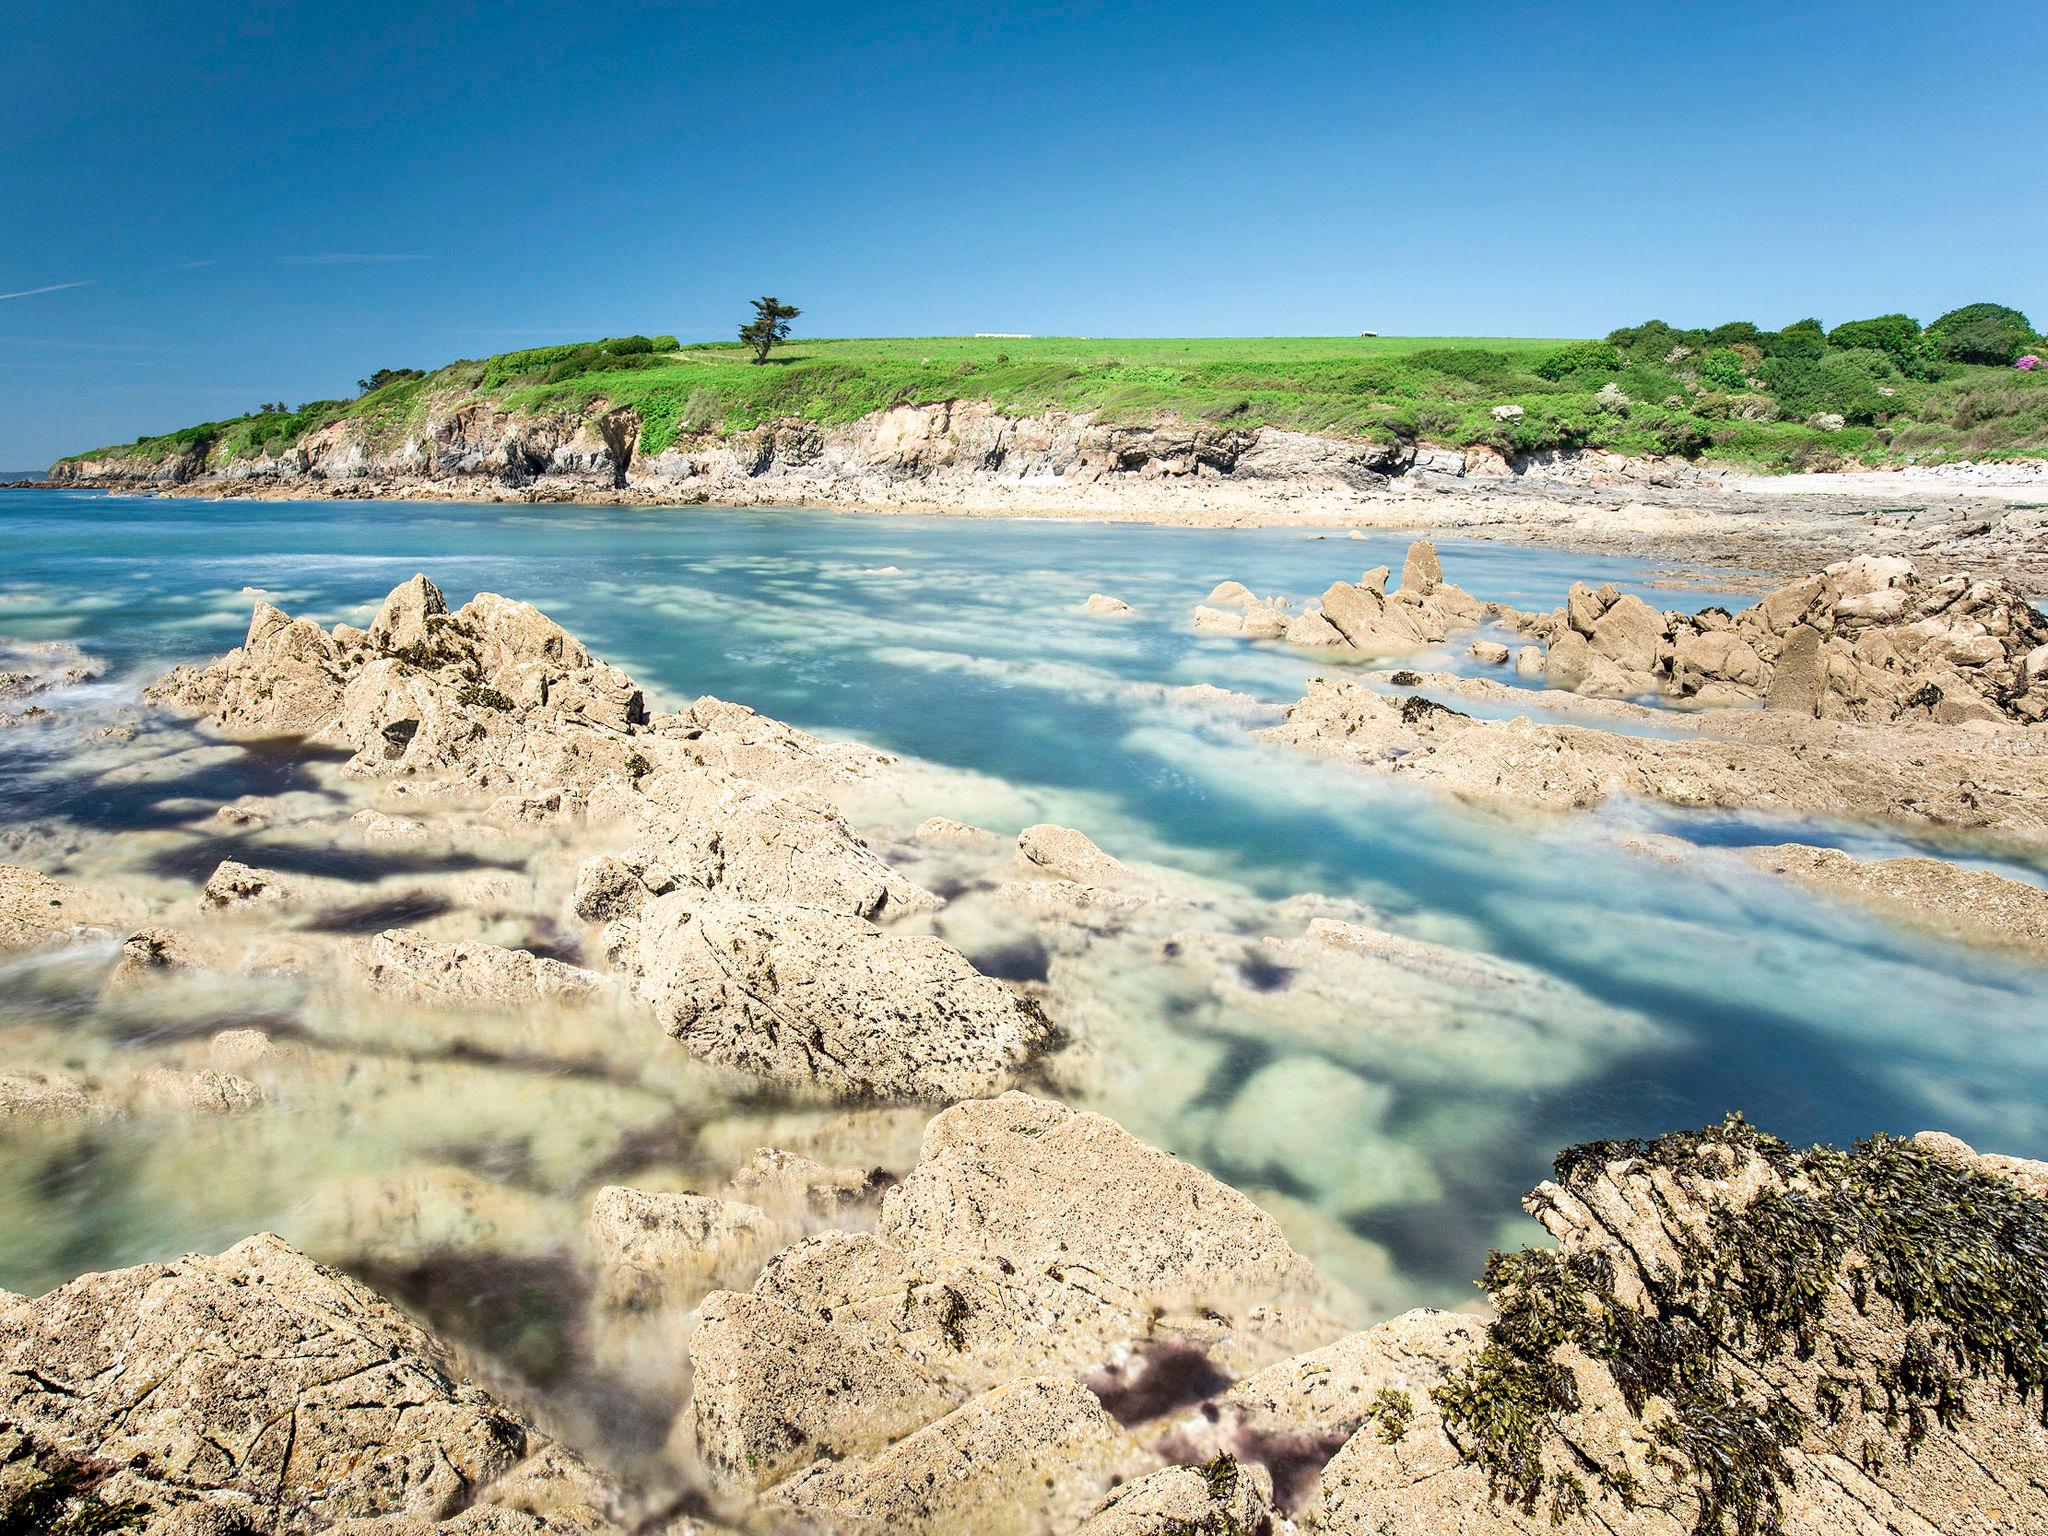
[[29, 293]]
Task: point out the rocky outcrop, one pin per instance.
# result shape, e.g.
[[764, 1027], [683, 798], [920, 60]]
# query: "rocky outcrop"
[[658, 1249], [808, 995], [467, 974], [1424, 610], [1921, 774], [1733, 1335], [1868, 639], [259, 1391], [1972, 906], [1030, 1242]]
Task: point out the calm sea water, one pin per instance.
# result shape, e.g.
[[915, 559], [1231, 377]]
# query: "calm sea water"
[[960, 641]]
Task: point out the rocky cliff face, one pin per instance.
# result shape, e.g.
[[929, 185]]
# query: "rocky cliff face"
[[479, 447]]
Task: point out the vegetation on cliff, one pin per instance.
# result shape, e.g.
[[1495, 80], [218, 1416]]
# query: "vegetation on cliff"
[[1868, 391]]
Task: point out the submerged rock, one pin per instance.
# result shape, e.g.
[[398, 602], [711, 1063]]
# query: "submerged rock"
[[466, 974], [34, 909]]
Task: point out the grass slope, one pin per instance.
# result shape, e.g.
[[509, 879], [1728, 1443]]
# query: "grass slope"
[[1440, 389]]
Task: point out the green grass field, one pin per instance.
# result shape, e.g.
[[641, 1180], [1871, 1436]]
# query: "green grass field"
[[1748, 405]]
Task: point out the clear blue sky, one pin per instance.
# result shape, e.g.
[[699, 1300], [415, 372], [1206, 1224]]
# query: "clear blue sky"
[[269, 201]]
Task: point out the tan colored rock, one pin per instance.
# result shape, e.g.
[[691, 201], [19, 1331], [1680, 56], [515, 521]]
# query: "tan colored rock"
[[1027, 1459], [1490, 652], [257, 1381], [810, 996], [666, 1250], [466, 973], [1107, 607], [1972, 906], [35, 909], [28, 1096], [1219, 1499], [1421, 571], [1231, 594], [1313, 629], [1070, 855], [790, 1186]]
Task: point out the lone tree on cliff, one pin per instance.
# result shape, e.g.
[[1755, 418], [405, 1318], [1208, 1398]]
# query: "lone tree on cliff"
[[769, 326]]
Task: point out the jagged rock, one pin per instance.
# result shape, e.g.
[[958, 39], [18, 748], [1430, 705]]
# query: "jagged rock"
[[812, 996], [1313, 629], [149, 954], [466, 973], [657, 1250], [1027, 1459], [259, 1387], [234, 885], [1866, 639]]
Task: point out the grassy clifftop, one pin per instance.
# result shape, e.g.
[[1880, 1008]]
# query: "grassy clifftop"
[[1793, 401]]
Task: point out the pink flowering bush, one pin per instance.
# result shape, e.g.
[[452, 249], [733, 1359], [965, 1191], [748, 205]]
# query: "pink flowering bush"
[[2028, 362]]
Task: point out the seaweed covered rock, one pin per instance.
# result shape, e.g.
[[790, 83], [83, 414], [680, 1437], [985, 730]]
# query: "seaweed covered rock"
[[1734, 1336], [257, 1391]]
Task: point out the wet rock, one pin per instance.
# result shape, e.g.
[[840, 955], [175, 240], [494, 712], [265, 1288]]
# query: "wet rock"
[[1107, 607], [1490, 652], [1231, 594], [1975, 906], [209, 1092], [466, 973], [31, 1096], [666, 1250], [1313, 629], [790, 1186], [257, 1384], [811, 996], [1027, 1459], [35, 909], [150, 954]]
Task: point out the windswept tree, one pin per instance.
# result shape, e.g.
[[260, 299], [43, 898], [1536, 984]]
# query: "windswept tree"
[[769, 327]]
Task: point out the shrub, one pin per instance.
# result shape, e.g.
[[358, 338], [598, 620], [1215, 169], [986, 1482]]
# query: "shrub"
[[1722, 367], [1896, 336], [1982, 333], [1800, 339], [1653, 340], [1845, 383], [1735, 332], [1581, 357]]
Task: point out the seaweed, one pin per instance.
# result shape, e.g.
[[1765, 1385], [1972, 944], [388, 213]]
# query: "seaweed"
[[1958, 1255]]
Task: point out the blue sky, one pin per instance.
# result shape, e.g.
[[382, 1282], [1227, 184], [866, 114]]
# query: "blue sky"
[[208, 207]]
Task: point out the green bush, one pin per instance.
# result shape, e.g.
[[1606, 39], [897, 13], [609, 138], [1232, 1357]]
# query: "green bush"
[[1896, 336], [1654, 340], [1734, 333], [1982, 333], [1475, 365], [1722, 368], [1581, 358]]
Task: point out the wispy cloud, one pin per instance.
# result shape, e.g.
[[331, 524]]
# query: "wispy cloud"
[[183, 266], [29, 293], [353, 258]]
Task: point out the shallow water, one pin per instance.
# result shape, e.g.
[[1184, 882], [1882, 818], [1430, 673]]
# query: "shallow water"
[[1394, 1144]]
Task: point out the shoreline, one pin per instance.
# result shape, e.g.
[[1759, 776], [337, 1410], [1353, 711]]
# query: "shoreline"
[[1764, 528]]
